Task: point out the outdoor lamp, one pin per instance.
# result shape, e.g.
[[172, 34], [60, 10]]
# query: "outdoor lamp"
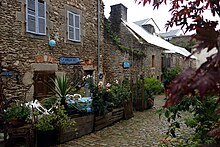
[[52, 43]]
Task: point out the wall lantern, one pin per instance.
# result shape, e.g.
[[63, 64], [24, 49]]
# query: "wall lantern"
[[52, 43], [125, 65]]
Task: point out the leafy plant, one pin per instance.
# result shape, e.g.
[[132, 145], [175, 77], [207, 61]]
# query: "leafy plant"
[[102, 99], [61, 88], [204, 81], [120, 93], [171, 73], [153, 86], [56, 120], [19, 111]]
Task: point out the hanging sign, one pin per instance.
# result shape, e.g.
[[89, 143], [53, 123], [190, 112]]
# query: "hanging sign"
[[125, 65], [70, 60], [7, 73]]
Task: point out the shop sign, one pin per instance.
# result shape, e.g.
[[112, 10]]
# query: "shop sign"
[[70, 60]]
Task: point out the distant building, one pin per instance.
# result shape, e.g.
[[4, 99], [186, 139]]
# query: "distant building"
[[172, 33], [149, 25]]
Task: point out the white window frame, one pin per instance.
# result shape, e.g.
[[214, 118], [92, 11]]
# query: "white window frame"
[[74, 27], [36, 18]]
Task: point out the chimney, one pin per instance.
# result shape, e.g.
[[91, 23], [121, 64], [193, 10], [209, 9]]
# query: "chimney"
[[118, 11]]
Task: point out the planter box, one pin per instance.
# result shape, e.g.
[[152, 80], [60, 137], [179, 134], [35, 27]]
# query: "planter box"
[[83, 126], [46, 138], [108, 119]]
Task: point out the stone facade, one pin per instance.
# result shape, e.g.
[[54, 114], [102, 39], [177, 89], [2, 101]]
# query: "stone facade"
[[24, 53], [114, 55]]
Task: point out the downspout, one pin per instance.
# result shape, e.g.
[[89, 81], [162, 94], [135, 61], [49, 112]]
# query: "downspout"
[[98, 40]]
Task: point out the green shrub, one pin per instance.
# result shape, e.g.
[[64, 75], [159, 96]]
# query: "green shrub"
[[153, 85], [171, 73]]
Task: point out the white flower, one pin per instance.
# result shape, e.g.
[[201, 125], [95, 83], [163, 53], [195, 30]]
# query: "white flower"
[[116, 81], [108, 85]]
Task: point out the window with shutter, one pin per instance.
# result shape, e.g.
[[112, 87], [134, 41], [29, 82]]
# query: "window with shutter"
[[73, 26], [36, 17]]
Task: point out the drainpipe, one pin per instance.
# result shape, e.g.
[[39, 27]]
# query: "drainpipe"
[[98, 39]]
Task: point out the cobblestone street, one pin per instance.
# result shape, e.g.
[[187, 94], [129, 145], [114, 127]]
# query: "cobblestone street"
[[143, 130]]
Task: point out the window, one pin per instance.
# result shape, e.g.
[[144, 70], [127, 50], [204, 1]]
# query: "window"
[[73, 26], [153, 60], [36, 17]]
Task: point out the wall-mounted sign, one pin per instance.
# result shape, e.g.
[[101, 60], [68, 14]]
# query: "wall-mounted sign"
[[7, 73], [70, 60], [125, 65]]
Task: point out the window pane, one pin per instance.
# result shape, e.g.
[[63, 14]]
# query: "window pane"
[[31, 5], [70, 19], [41, 10], [77, 23], [31, 23], [42, 27], [77, 34], [71, 33]]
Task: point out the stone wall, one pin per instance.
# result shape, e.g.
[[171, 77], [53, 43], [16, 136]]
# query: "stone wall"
[[139, 54], [23, 52]]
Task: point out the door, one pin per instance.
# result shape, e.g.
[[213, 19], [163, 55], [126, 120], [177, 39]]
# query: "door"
[[43, 84]]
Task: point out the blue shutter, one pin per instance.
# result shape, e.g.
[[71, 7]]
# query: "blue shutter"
[[30, 16], [70, 26], [77, 27], [41, 18]]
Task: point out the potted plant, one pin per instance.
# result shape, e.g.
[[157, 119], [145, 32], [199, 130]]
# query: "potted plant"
[[17, 114], [49, 126]]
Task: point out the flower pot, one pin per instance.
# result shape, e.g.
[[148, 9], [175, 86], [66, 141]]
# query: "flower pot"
[[46, 138], [16, 122]]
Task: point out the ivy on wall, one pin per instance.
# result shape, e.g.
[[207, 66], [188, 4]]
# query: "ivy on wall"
[[136, 52]]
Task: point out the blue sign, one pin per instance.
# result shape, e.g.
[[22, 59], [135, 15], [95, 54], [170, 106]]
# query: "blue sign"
[[7, 73], [70, 60], [126, 65]]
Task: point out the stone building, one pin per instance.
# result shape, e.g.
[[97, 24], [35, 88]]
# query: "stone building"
[[147, 53], [27, 26]]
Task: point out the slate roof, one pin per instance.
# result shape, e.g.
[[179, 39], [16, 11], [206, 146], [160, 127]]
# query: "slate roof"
[[155, 40]]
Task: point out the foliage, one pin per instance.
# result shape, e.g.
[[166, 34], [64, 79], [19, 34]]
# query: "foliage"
[[49, 102], [61, 87], [204, 80], [105, 98], [171, 73], [153, 85], [102, 99], [203, 118], [56, 120], [120, 93], [19, 111]]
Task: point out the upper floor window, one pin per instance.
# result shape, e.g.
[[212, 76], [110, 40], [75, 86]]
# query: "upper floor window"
[[153, 61], [73, 26], [36, 16]]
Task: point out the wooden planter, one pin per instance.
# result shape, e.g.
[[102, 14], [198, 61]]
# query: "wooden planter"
[[108, 119], [83, 126]]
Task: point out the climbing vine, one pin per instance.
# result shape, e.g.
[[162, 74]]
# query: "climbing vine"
[[116, 40]]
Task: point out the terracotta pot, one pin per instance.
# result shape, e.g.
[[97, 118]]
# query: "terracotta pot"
[[16, 122]]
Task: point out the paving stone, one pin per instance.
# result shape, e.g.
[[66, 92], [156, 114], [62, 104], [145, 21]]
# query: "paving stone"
[[143, 130]]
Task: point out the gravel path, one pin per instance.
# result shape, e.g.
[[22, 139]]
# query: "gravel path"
[[145, 129]]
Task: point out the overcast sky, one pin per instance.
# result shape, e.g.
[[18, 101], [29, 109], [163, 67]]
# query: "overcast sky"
[[137, 12]]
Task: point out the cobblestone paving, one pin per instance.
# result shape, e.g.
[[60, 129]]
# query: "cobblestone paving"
[[145, 129]]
